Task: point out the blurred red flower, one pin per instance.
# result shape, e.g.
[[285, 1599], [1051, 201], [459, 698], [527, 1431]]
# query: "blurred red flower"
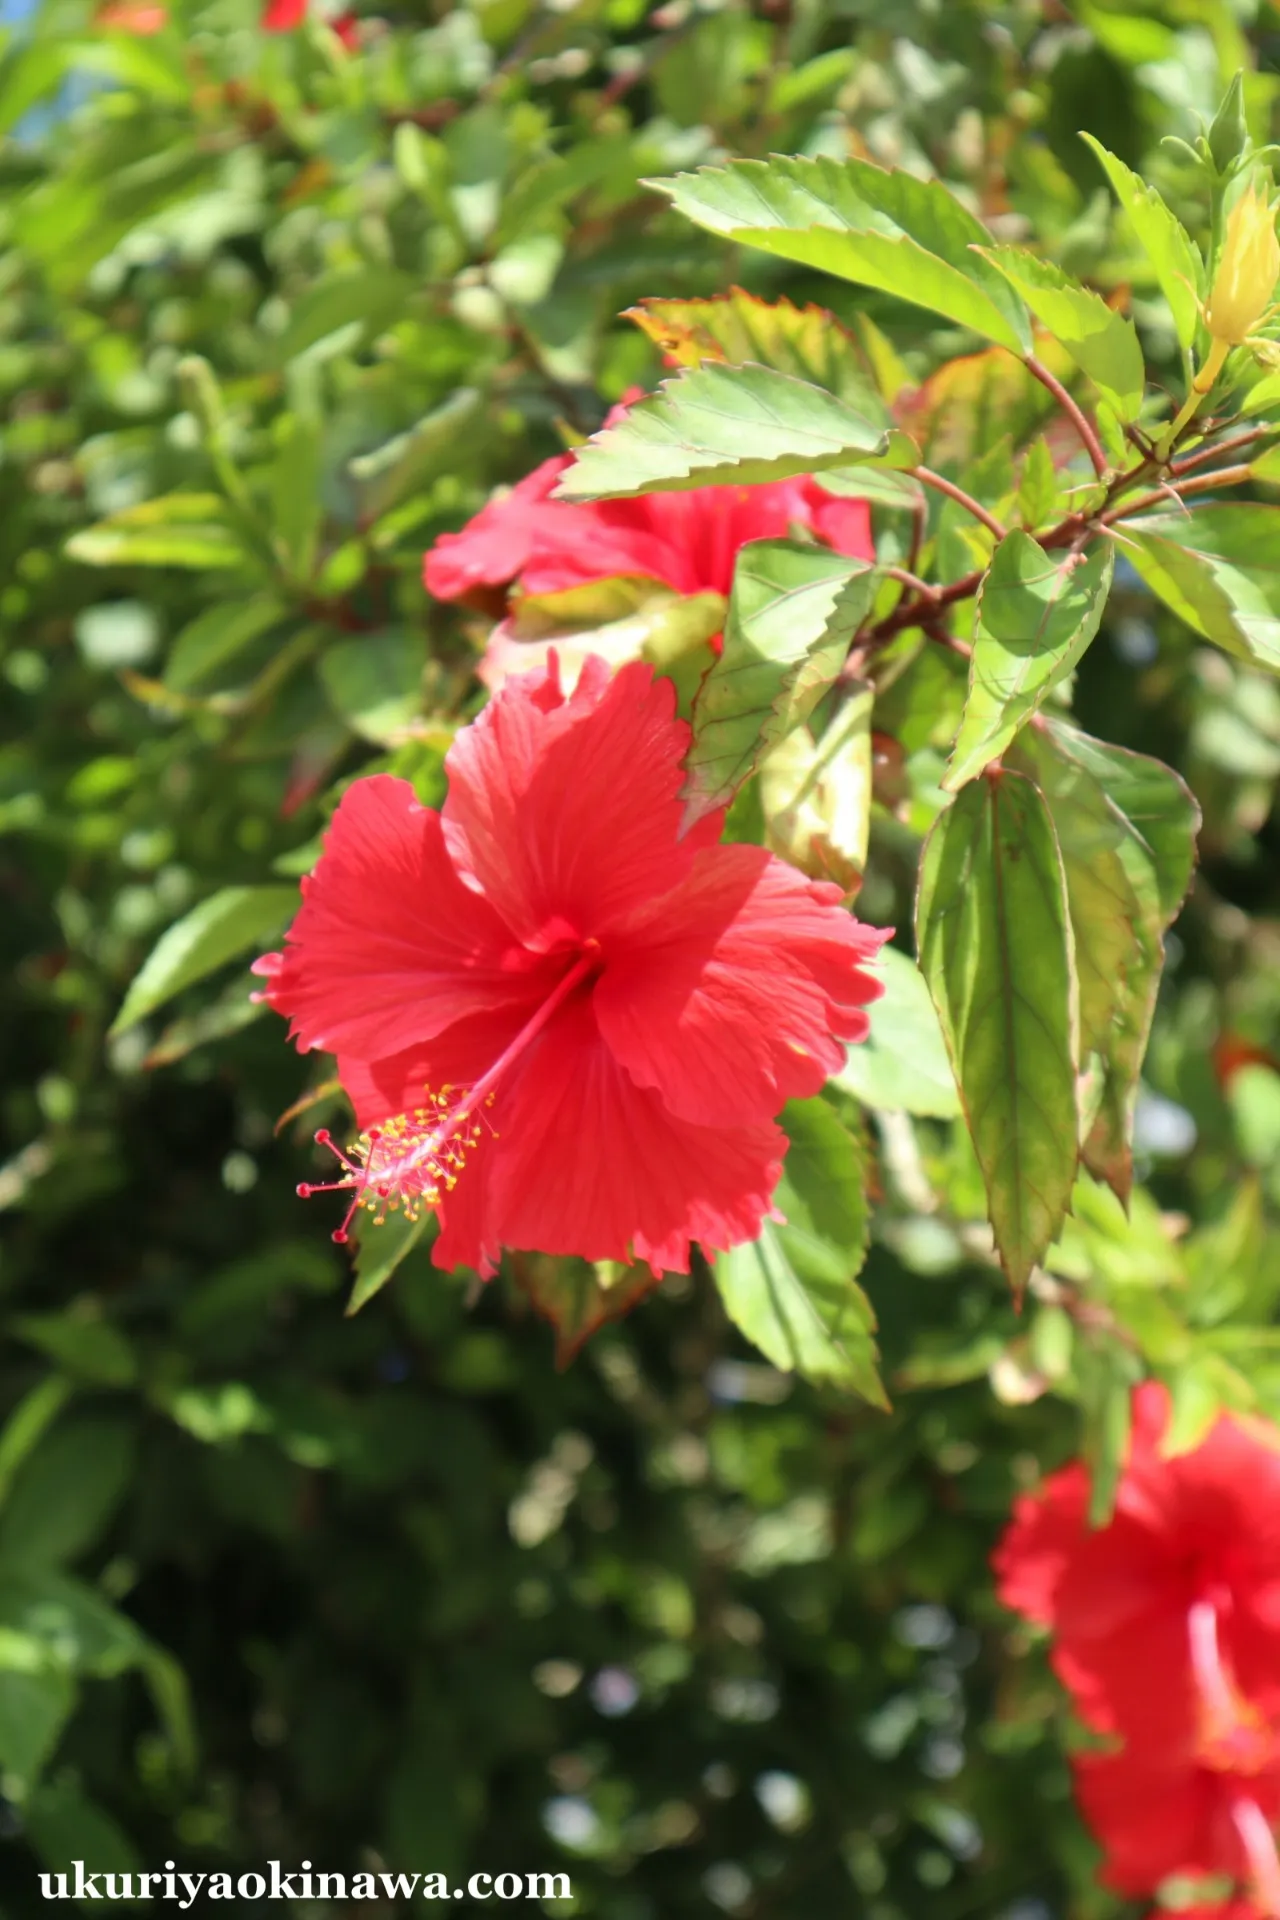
[[1166, 1626], [1183, 1582], [561, 1024]]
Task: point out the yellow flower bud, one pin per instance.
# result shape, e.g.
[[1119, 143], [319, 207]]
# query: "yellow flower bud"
[[1247, 270]]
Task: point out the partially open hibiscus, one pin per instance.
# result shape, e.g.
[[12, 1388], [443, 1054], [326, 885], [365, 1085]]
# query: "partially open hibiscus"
[[561, 1025], [527, 542], [1166, 1626]]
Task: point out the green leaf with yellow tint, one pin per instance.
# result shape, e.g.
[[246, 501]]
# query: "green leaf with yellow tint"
[[1036, 614], [1111, 805], [994, 937], [737, 327], [1177, 265], [1219, 569], [1103, 344], [792, 615]]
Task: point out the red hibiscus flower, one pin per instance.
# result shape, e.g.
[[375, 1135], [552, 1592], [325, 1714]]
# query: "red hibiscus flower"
[[1183, 1584], [561, 1024], [689, 541], [1166, 1627]]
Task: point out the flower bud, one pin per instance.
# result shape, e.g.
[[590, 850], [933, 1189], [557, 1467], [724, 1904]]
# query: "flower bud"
[[1247, 270]]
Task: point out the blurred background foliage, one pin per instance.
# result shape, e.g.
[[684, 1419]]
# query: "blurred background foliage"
[[393, 1590]]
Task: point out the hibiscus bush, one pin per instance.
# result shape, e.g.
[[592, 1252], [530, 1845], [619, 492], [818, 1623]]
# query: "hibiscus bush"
[[691, 596]]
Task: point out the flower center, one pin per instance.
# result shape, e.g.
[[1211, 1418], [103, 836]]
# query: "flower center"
[[413, 1159]]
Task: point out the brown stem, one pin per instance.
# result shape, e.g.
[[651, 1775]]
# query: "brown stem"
[[909, 579], [1208, 454], [1079, 420], [1203, 483], [928, 478]]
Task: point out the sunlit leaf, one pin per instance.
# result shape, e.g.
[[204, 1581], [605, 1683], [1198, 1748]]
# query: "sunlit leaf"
[[907, 236], [1101, 341], [713, 424], [994, 938], [903, 1065], [1219, 569], [228, 923], [792, 615], [739, 327], [1175, 262], [1036, 614], [794, 1291]]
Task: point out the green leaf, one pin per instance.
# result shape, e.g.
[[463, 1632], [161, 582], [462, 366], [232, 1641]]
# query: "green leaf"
[[379, 1251], [394, 470], [714, 424], [236, 1008], [66, 1826], [625, 617], [902, 1066], [1036, 614], [226, 924], [792, 614], [994, 939], [207, 643], [1038, 489], [1219, 569], [793, 1291], [374, 682], [79, 1631], [908, 237], [297, 504], [1107, 1375], [34, 1413], [1094, 788], [369, 300], [189, 530], [1102, 343], [94, 1349], [35, 1706], [1107, 915], [806, 342], [1168, 246], [579, 1297], [815, 795], [68, 1491]]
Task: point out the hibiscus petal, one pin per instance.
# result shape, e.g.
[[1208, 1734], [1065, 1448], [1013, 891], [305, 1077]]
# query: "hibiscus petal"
[[390, 947], [585, 1162], [733, 994], [495, 547], [565, 809]]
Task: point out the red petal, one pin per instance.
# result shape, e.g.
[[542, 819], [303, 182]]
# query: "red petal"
[[565, 811], [733, 994], [585, 1162], [390, 947], [282, 16], [495, 547]]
